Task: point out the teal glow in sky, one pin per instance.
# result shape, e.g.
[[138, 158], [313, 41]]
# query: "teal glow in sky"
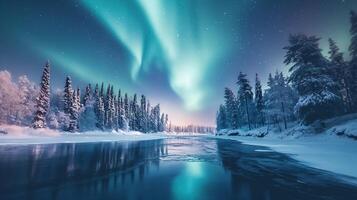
[[184, 42], [181, 53]]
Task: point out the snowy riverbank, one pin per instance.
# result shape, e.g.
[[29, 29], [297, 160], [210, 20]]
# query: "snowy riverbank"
[[327, 151], [330, 145], [12, 135], [25, 135]]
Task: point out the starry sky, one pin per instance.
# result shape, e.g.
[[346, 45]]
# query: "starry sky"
[[179, 53]]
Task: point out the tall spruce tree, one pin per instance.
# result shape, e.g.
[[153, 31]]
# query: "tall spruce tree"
[[67, 96], [88, 95], [339, 71], [259, 102], [245, 95], [231, 108], [319, 97], [43, 100], [352, 81], [221, 120]]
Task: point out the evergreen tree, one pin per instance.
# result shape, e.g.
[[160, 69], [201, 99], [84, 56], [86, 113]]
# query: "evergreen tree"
[[107, 104], [100, 112], [319, 98], [280, 100], [352, 81], [166, 122], [162, 123], [88, 115], [340, 73], [88, 95], [245, 95], [74, 112], [121, 116], [67, 98], [126, 106], [259, 102], [143, 114], [43, 100], [231, 109], [221, 120]]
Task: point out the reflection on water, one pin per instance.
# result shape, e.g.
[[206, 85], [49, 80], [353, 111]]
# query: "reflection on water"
[[179, 168]]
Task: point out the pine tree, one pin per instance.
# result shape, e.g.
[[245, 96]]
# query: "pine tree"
[[107, 103], [67, 98], [96, 101], [280, 100], [245, 95], [166, 122], [43, 100], [340, 73], [88, 114], [126, 106], [231, 109], [100, 112], [88, 95], [121, 116], [221, 120], [162, 122], [135, 114], [143, 116], [74, 111], [259, 102], [319, 98], [352, 81]]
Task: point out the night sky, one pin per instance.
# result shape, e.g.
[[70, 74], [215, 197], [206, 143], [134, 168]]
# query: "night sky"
[[180, 54]]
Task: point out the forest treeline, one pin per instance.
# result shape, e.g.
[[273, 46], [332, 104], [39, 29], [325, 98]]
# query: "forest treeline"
[[316, 89]]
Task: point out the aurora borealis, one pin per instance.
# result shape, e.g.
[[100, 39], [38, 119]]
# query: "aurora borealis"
[[181, 53]]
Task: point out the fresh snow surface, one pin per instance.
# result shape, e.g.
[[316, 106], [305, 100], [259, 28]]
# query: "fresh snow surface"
[[333, 149], [25, 135]]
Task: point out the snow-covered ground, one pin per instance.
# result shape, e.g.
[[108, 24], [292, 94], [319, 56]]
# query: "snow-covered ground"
[[334, 148], [25, 135]]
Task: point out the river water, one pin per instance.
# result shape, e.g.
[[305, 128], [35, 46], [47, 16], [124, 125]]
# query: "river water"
[[176, 168]]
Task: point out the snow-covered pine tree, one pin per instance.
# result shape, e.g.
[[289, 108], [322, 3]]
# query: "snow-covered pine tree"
[[280, 100], [74, 113], [231, 109], [221, 120], [245, 96], [67, 98], [101, 92], [319, 97], [157, 118], [115, 113], [88, 95], [135, 113], [166, 122], [152, 119], [352, 81], [96, 99], [149, 113], [143, 116], [126, 106], [339, 70], [259, 102], [162, 122], [88, 116], [121, 116], [107, 102], [43, 100], [100, 112], [111, 119]]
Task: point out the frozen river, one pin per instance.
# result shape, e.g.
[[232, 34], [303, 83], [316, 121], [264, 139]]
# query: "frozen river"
[[175, 168]]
